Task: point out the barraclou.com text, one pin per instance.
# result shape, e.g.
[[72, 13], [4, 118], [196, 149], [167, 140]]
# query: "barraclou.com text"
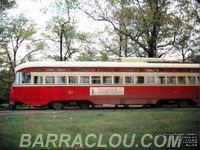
[[98, 141]]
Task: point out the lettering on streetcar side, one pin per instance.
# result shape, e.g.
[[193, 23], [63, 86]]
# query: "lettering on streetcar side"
[[106, 90]]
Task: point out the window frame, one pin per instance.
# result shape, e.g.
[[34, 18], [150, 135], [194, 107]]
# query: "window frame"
[[74, 78], [171, 77], [147, 81], [158, 77], [110, 79], [133, 79], [61, 69], [42, 80], [150, 70], [50, 70], [23, 78], [120, 79], [100, 79], [62, 82], [73, 69], [84, 80], [53, 77], [194, 77], [136, 79], [84, 69], [181, 77]]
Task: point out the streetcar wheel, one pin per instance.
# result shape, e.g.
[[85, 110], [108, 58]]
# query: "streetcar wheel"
[[84, 105], [182, 104], [13, 107], [57, 105]]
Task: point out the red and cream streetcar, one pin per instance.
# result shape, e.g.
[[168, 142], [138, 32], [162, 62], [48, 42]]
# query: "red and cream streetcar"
[[131, 81]]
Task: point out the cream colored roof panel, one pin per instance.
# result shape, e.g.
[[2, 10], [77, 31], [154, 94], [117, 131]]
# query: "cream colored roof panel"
[[105, 64]]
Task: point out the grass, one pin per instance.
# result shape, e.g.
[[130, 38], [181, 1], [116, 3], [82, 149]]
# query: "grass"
[[105, 122]]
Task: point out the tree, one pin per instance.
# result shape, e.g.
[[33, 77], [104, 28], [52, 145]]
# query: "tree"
[[64, 34], [5, 75], [150, 25], [61, 30], [20, 31], [4, 5], [6, 79], [188, 39]]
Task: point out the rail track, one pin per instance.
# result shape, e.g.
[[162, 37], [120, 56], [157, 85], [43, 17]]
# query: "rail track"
[[44, 110]]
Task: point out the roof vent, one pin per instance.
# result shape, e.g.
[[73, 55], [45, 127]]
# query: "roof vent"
[[147, 60]]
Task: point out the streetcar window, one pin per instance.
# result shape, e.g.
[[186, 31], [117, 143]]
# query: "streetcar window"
[[96, 80], [150, 80], [107, 80], [95, 69], [38, 70], [191, 70], [171, 80], [49, 70], [181, 80], [38, 79], [73, 69], [73, 79], [61, 69], [161, 80], [49, 79], [139, 80], [117, 70], [84, 80], [180, 70], [129, 79], [26, 77], [161, 70], [150, 70], [128, 70], [198, 80], [139, 70], [107, 70], [170, 70], [191, 80], [61, 79], [84, 70], [18, 78], [118, 80]]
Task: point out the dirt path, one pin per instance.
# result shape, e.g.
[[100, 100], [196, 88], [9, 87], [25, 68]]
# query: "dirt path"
[[49, 111]]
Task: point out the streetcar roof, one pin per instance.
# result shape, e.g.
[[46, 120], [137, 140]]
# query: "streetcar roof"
[[105, 64]]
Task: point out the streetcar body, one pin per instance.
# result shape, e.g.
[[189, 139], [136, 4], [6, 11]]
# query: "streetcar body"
[[58, 84]]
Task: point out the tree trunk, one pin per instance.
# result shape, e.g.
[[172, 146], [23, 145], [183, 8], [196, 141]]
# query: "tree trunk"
[[120, 45], [126, 47], [61, 46], [151, 53]]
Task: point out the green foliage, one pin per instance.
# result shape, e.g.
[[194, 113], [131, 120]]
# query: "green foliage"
[[194, 57], [147, 25], [19, 30], [6, 79], [63, 33], [93, 55], [6, 4], [87, 56]]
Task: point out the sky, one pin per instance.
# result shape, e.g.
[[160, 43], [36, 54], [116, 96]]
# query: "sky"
[[33, 10]]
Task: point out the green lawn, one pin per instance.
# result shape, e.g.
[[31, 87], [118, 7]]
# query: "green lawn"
[[98, 122]]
